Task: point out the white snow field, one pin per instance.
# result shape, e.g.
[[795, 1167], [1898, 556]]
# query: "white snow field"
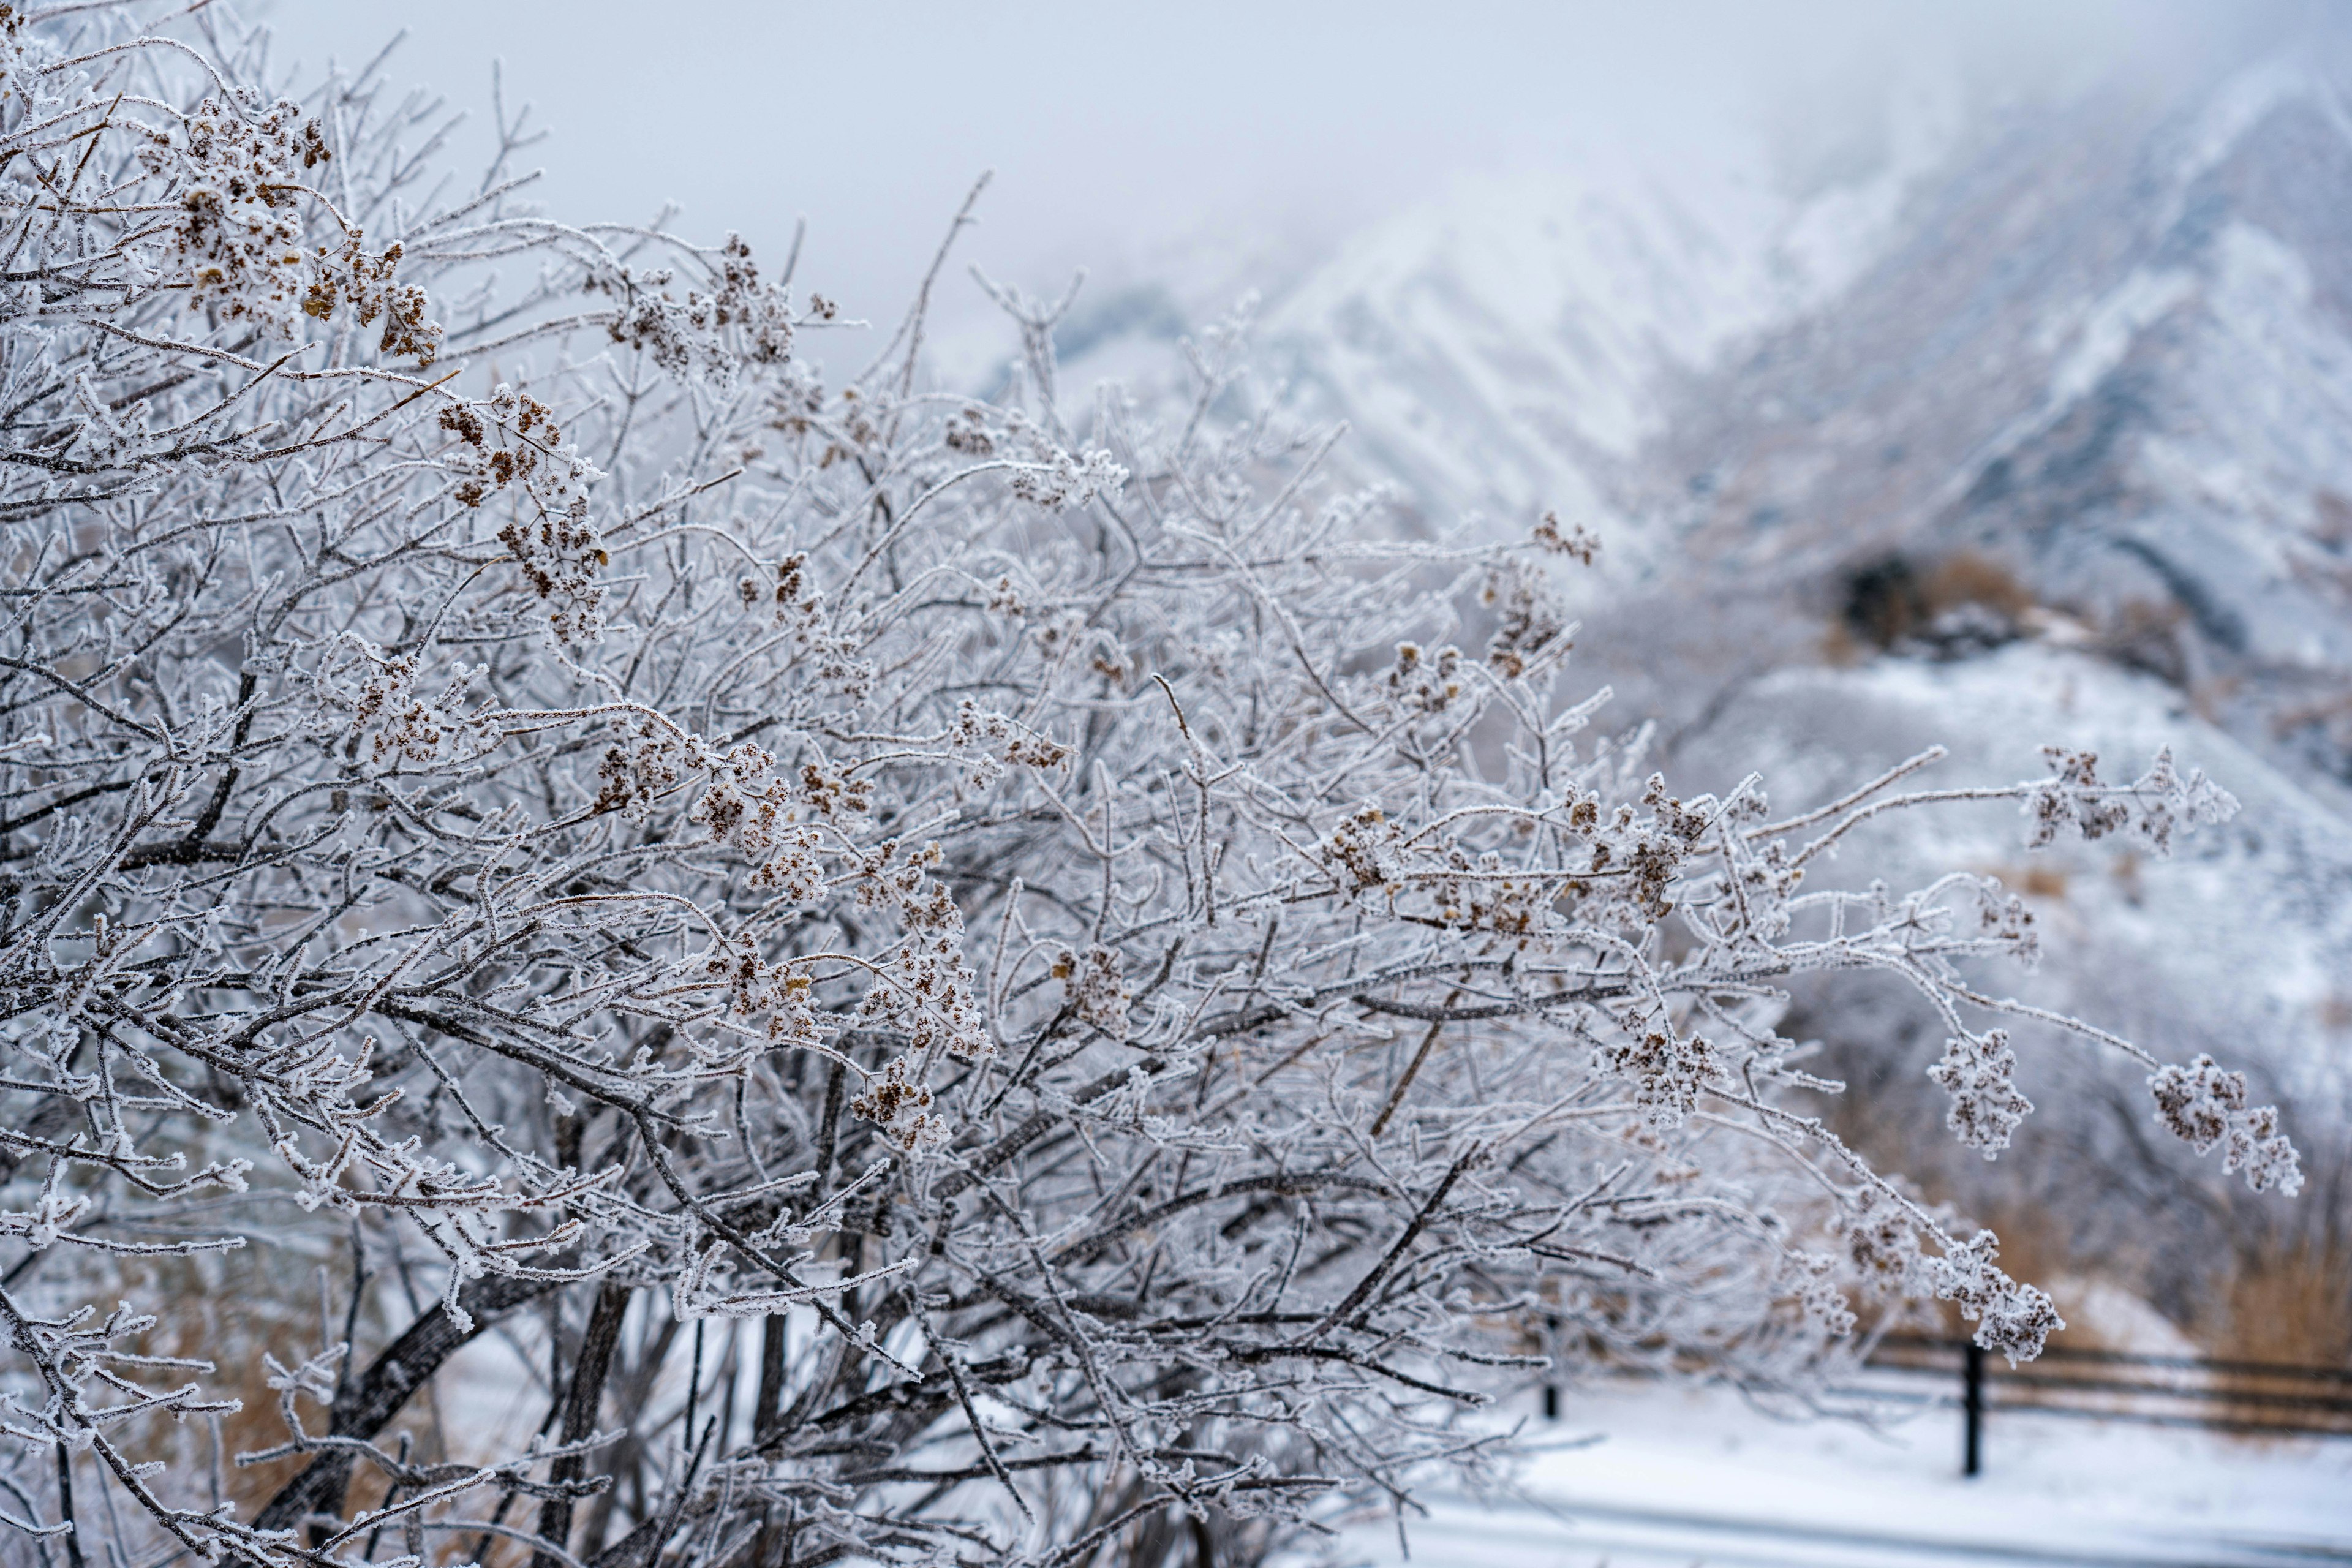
[[1698, 1477]]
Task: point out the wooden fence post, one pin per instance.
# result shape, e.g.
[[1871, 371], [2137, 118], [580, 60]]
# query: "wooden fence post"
[[1551, 1384], [1972, 1405]]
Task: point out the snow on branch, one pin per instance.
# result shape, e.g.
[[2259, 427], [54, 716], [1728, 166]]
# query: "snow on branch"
[[943, 979]]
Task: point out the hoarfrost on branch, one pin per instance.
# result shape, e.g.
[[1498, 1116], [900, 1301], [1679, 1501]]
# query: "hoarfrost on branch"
[[991, 983]]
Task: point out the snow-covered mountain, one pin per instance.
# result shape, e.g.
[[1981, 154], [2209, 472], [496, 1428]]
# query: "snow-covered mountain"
[[1514, 343], [2107, 361], [2003, 423], [2104, 338], [2113, 349]]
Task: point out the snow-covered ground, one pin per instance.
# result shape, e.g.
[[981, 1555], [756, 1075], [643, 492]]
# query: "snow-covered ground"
[[1685, 1476]]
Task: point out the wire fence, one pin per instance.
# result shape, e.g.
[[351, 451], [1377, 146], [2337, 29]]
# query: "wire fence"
[[2244, 1398], [2249, 1398]]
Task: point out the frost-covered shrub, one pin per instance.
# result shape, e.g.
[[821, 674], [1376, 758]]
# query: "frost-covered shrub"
[[1000, 987]]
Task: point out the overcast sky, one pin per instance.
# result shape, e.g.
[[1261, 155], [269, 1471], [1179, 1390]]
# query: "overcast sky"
[[1117, 130]]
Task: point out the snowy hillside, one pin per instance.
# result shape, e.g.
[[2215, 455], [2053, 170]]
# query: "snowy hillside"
[[2108, 356], [2103, 340], [2008, 423], [2241, 942], [1512, 343], [2106, 339], [2111, 349]]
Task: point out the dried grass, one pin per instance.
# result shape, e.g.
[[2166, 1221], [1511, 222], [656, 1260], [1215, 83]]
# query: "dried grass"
[[1891, 600], [1968, 578], [2039, 880], [229, 1309], [2291, 1303]]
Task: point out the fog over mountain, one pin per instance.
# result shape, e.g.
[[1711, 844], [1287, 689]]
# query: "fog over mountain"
[[1145, 143]]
